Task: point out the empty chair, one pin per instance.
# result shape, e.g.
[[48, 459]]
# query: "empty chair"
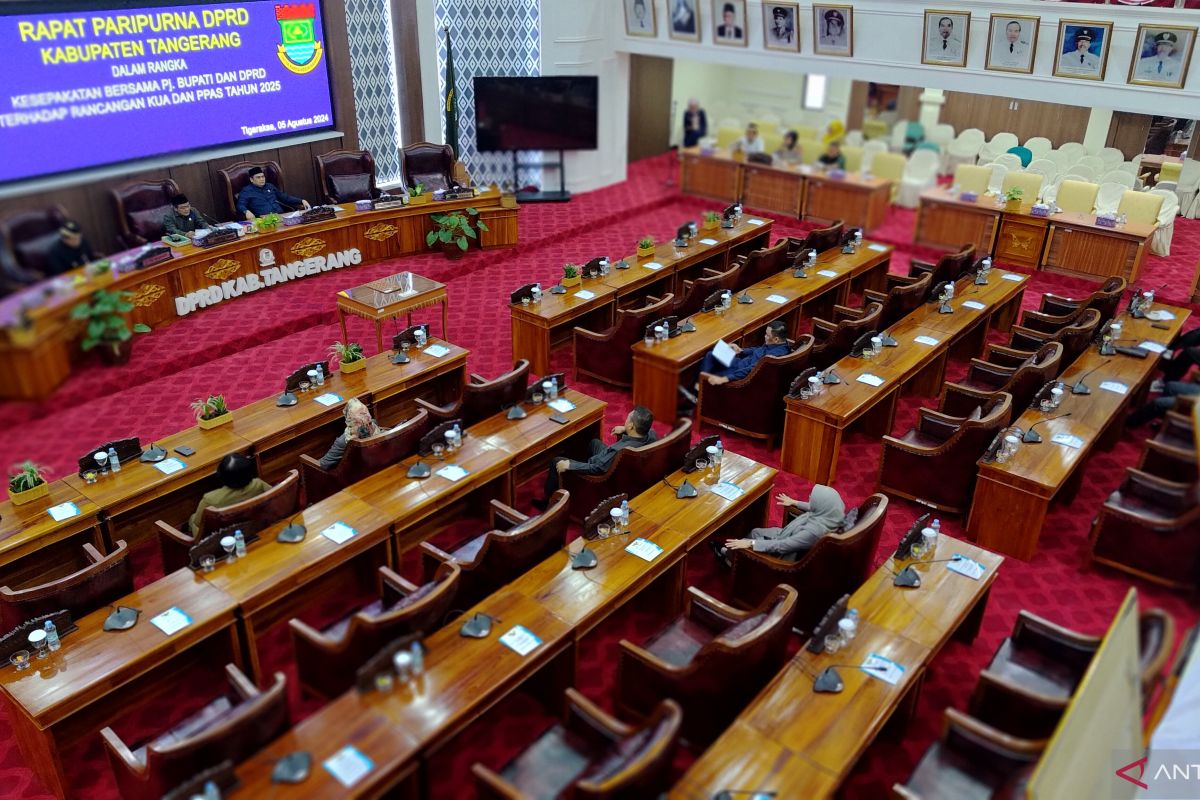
[[1055, 311], [889, 166], [986, 380], [1039, 146], [1030, 184], [875, 130], [904, 295], [232, 727], [591, 755], [633, 470], [1169, 461], [327, 659], [1110, 157], [1092, 163], [140, 208], [899, 136], [1074, 338], [940, 134], [1118, 176], [1045, 167], [833, 340], [711, 660], [763, 389], [1160, 240], [871, 149], [1141, 207], [987, 153], [695, 292], [1163, 517], [1023, 154], [854, 157], [949, 267], [1011, 161], [810, 150], [854, 138], [963, 150], [996, 179], [727, 135], [934, 463], [606, 356], [919, 174], [1073, 150], [363, 457], [971, 178], [26, 239], [1062, 161], [1076, 196], [1188, 189], [514, 544], [837, 564], [430, 164], [759, 265], [89, 582], [482, 398], [1005, 140], [1080, 172], [1108, 197], [346, 175], [822, 239]]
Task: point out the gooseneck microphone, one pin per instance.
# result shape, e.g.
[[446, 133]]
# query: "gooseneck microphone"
[[1033, 437], [911, 579], [1082, 388]]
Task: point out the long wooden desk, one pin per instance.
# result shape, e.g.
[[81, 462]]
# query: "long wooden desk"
[[658, 369], [1067, 242], [33, 544], [813, 429], [809, 742], [37, 360], [796, 190], [538, 327], [1012, 499]]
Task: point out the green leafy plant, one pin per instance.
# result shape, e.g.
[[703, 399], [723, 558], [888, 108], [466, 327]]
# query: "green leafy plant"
[[105, 317], [417, 189], [25, 476], [267, 221], [1015, 193], [454, 228], [98, 268], [570, 271], [347, 353], [211, 408], [712, 216], [646, 242]]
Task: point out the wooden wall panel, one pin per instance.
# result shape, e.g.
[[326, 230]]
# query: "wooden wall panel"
[[1024, 118], [1127, 132]]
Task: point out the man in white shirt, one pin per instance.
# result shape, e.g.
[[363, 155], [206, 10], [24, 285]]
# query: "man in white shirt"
[[947, 46], [1164, 65], [1081, 59], [750, 142], [1013, 51]]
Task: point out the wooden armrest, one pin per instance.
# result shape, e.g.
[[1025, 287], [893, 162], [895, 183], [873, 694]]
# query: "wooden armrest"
[[986, 732], [711, 612], [432, 558], [592, 335], [440, 412], [1006, 356], [709, 272], [477, 378], [389, 579], [741, 260], [989, 680], [490, 786], [1057, 304], [314, 463], [872, 296], [823, 325], [499, 511], [587, 719], [174, 534], [989, 374], [916, 266], [937, 424], [843, 313], [241, 684], [921, 451], [93, 555], [959, 400], [644, 659], [118, 748], [1046, 323], [1030, 628]]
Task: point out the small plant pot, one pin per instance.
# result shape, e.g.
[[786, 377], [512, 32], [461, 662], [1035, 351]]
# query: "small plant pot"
[[36, 493], [266, 228], [215, 422], [711, 226], [452, 251], [117, 353], [23, 338], [645, 252], [569, 282], [353, 366], [418, 199], [1012, 205]]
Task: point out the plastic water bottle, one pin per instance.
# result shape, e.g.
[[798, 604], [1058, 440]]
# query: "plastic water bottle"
[[418, 658], [52, 636], [239, 544], [852, 614], [624, 513], [937, 525], [458, 436], [114, 463], [720, 452], [320, 375], [211, 792]]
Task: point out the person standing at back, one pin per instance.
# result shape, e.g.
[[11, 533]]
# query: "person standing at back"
[[695, 123]]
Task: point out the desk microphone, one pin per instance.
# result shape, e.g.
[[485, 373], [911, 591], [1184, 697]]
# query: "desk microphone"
[[1082, 388], [285, 399], [909, 578], [828, 681], [584, 559], [292, 533], [728, 794], [419, 470], [829, 378], [1033, 437]]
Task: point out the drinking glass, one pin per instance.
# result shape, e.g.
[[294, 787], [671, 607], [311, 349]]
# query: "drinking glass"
[[207, 563], [89, 476], [603, 530], [405, 346], [312, 377], [20, 659], [438, 450], [648, 340], [384, 681], [37, 639], [227, 544], [304, 386], [1045, 404], [450, 440], [805, 392], [814, 386], [918, 550], [702, 465], [101, 460], [538, 397], [525, 300], [833, 643], [868, 353], [877, 344]]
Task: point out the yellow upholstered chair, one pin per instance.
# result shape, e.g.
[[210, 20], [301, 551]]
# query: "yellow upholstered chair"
[[875, 129], [805, 132], [1170, 171], [1141, 207], [1030, 184], [1076, 196], [890, 166], [854, 157], [810, 150], [726, 136], [972, 178], [771, 141]]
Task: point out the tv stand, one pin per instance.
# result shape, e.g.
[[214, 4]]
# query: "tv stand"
[[561, 196]]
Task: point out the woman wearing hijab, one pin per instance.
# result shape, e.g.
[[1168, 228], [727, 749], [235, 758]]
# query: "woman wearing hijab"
[[824, 512], [359, 425]]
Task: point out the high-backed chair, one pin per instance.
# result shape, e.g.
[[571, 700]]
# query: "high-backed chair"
[[363, 457], [1057, 311], [482, 398], [890, 166], [1023, 153], [971, 178], [606, 356], [1141, 207], [277, 503], [934, 463], [235, 177], [327, 659], [591, 755], [1163, 518], [633, 470], [431, 165], [904, 295], [1011, 161], [854, 157], [514, 544], [763, 389], [25, 241], [1176, 431], [140, 207], [1108, 196], [949, 267], [833, 340], [920, 173], [91, 582], [836, 565], [870, 150], [759, 265], [1160, 240], [822, 239], [1074, 338], [1030, 184], [1039, 146], [711, 660], [1076, 196], [232, 727], [986, 380], [695, 292], [346, 175]]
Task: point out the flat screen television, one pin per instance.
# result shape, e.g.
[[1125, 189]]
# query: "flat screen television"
[[546, 113]]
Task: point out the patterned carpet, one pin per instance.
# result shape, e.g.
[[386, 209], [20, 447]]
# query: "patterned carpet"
[[244, 348]]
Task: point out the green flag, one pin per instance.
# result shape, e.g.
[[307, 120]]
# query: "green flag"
[[451, 99]]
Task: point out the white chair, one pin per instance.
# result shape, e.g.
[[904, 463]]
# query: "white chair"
[[1111, 157], [899, 136], [854, 138], [987, 153], [1050, 191], [1108, 199], [919, 174], [1045, 167], [1073, 150], [1005, 140], [999, 172], [1160, 241], [1120, 176], [1130, 166], [1062, 161], [964, 149], [1081, 172], [870, 150], [1094, 163], [1188, 189], [1039, 146], [941, 133], [1010, 160]]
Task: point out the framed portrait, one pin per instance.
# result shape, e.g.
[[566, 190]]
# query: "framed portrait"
[[945, 40], [1161, 55], [1082, 50], [639, 18], [684, 20], [729, 22], [1012, 43], [833, 30], [781, 26]]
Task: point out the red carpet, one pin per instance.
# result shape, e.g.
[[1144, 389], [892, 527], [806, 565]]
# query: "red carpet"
[[244, 348]]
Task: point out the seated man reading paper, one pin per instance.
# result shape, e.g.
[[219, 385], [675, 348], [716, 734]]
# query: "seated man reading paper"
[[729, 362]]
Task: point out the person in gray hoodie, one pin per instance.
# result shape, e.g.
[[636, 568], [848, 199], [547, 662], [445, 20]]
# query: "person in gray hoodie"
[[824, 512]]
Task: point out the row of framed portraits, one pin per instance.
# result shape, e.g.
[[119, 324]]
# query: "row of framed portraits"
[[1161, 57]]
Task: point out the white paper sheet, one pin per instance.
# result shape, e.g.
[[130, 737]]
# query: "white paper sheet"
[[348, 766], [753, 221], [828, 273], [520, 640], [644, 549], [723, 353], [975, 304], [327, 399], [929, 340], [776, 298], [452, 472], [1009, 276], [561, 405], [882, 668], [63, 511], [169, 465], [584, 294], [436, 350], [171, 621], [878, 248], [870, 380], [652, 265], [966, 566], [1114, 386], [1153, 347], [708, 241], [730, 491], [339, 532], [1067, 440]]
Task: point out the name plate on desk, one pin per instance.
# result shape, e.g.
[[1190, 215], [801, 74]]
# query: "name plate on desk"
[[975, 304], [63, 511], [171, 621], [169, 465], [828, 273], [644, 549], [652, 265], [329, 399], [884, 669], [929, 340], [776, 298], [870, 380], [708, 241], [520, 640], [339, 532], [1011, 276], [1067, 440], [1114, 386], [584, 294], [753, 221], [348, 766]]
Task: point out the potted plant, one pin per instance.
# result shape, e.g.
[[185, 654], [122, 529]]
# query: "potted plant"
[[266, 223], [21, 334], [712, 220], [453, 230], [350, 356], [107, 327], [211, 412], [570, 275], [1012, 198], [645, 247], [416, 195], [27, 483]]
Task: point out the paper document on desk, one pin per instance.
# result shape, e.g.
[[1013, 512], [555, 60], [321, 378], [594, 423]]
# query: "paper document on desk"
[[453, 473], [776, 298], [1159, 315], [171, 621], [975, 304], [339, 532], [882, 668], [562, 405], [753, 221], [1067, 440], [652, 265], [169, 465], [436, 350], [1009, 276], [708, 241], [966, 566], [348, 766], [828, 273], [929, 340], [878, 248], [723, 352], [870, 380], [584, 294], [327, 399], [644, 549], [63, 511], [1153, 347], [1114, 386], [730, 491], [520, 640]]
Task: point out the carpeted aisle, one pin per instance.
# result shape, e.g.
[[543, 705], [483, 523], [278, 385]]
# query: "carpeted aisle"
[[244, 348]]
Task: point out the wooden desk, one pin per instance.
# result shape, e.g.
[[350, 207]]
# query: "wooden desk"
[[532, 443], [860, 202], [76, 691], [391, 298], [658, 370], [1011, 500], [1153, 163], [32, 544], [813, 429], [539, 327]]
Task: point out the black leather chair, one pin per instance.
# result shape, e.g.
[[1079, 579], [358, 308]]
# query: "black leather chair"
[[235, 177], [25, 241], [346, 175], [140, 207], [431, 165]]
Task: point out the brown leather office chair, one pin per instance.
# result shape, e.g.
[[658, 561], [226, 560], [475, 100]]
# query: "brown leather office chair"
[[232, 727], [346, 175], [633, 470], [759, 265], [363, 457], [235, 177], [695, 292], [904, 295], [482, 398], [1156, 638], [1169, 461], [935, 462], [606, 356], [711, 660], [1075, 338], [986, 379], [273, 505], [822, 239], [90, 582], [327, 659], [140, 207], [429, 164], [26, 238], [1106, 300], [832, 340], [836, 565], [1150, 527], [591, 755], [514, 544], [949, 267], [1176, 431], [763, 390]]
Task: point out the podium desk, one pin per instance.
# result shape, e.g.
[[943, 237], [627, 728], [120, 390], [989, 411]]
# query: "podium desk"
[[390, 298]]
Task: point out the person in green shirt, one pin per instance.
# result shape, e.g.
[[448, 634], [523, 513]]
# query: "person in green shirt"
[[182, 219], [238, 483], [832, 158]]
